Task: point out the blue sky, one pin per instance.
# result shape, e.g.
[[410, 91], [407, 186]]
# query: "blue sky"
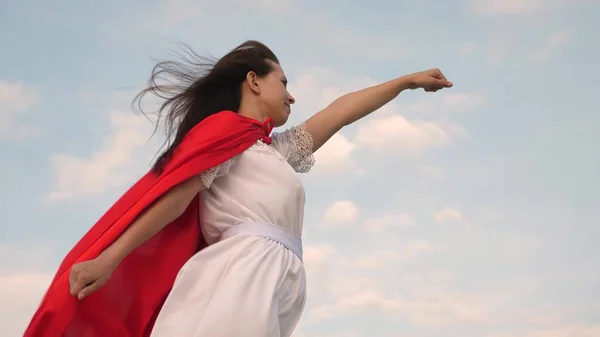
[[469, 212]]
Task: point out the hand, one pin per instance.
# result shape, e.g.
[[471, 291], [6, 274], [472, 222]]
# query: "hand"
[[87, 277], [431, 80]]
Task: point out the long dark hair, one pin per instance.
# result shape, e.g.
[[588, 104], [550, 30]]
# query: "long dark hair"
[[196, 87]]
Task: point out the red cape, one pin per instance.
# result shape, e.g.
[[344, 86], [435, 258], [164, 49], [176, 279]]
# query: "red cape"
[[128, 303]]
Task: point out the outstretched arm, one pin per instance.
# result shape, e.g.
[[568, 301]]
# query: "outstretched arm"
[[88, 276], [164, 211], [351, 107]]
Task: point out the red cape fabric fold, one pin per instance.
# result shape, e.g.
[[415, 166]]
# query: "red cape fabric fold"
[[128, 303]]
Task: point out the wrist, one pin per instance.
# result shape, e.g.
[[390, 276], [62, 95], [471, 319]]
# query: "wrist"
[[405, 82], [112, 256]]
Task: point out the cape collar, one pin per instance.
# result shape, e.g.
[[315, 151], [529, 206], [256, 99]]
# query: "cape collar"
[[267, 126]]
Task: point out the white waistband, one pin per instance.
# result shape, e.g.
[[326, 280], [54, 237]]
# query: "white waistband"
[[282, 235]]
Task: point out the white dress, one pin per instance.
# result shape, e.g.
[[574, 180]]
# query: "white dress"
[[245, 285]]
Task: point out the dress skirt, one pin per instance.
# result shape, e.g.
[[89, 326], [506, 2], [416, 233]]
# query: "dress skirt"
[[240, 286]]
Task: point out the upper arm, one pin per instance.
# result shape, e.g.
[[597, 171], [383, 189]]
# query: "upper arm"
[[323, 125], [183, 193]]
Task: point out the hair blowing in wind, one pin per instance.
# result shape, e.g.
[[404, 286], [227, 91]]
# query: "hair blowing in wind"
[[195, 87]]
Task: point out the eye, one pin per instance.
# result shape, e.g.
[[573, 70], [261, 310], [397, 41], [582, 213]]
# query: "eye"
[[285, 82]]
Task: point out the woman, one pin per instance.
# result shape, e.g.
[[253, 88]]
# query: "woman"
[[142, 270]]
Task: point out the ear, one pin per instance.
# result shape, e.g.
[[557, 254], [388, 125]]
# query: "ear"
[[252, 82]]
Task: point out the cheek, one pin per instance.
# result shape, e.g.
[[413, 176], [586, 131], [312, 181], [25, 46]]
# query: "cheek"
[[277, 97]]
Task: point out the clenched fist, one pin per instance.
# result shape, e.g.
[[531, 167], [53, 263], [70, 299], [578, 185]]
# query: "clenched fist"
[[430, 80]]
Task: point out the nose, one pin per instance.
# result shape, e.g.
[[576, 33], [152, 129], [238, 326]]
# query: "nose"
[[291, 99]]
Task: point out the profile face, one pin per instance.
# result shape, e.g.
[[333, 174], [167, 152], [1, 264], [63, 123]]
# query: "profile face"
[[275, 98]]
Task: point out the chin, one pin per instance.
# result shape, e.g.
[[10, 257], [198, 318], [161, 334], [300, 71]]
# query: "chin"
[[281, 119], [279, 122]]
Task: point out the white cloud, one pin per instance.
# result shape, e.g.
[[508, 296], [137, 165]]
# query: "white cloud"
[[318, 256], [177, 11], [379, 47], [377, 260], [333, 278], [341, 213], [343, 284], [384, 258], [399, 135], [433, 171], [272, 6], [317, 260], [20, 295], [15, 98], [19, 258], [414, 248], [445, 103], [24, 278], [557, 330], [496, 48], [507, 6], [388, 220], [372, 285], [123, 154], [508, 45], [468, 48], [461, 101], [520, 7], [551, 46], [319, 26], [447, 214], [202, 13], [335, 154], [317, 87], [342, 333], [437, 311], [385, 281]]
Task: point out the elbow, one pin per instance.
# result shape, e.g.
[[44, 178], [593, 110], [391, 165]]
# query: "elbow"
[[179, 206]]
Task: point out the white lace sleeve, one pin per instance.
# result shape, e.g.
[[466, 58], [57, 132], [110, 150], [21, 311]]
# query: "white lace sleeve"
[[211, 174], [295, 145]]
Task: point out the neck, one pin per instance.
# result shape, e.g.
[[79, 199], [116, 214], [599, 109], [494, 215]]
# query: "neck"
[[251, 111]]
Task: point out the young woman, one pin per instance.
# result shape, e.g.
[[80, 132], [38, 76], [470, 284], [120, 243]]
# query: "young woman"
[[208, 243]]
